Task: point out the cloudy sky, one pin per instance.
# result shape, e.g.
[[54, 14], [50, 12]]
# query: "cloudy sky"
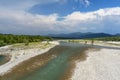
[[41, 17]]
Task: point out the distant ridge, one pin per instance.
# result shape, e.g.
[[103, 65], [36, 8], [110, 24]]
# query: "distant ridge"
[[118, 34], [79, 35]]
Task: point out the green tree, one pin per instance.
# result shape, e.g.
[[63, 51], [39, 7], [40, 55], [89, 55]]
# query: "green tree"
[[2, 43]]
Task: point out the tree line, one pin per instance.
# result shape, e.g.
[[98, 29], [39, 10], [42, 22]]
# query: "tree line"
[[116, 38], [7, 39]]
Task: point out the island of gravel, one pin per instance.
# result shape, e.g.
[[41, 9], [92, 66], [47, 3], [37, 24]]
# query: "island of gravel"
[[100, 64]]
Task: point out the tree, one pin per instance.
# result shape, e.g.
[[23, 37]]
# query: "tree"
[[26, 42], [12, 39], [2, 43]]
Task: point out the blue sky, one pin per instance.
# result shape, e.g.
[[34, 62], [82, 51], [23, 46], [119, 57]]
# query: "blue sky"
[[41, 17], [68, 6]]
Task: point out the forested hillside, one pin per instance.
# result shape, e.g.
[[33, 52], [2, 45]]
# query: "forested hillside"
[[6, 39]]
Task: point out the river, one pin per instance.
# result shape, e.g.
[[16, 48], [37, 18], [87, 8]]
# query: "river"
[[4, 59], [57, 64]]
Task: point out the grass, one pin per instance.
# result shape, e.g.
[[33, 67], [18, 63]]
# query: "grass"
[[32, 45]]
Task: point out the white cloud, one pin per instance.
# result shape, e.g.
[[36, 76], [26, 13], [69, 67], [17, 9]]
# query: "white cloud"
[[87, 16], [80, 16], [20, 21], [100, 20], [26, 22], [85, 2], [108, 11]]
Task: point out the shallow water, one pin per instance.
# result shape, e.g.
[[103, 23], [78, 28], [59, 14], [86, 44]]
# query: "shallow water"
[[57, 66], [2, 59]]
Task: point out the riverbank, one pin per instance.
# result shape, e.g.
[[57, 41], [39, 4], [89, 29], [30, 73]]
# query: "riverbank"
[[4, 57], [18, 56], [29, 67], [95, 42], [56, 64], [103, 64], [63, 61]]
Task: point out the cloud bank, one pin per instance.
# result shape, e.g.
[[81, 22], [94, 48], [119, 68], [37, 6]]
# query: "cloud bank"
[[22, 22]]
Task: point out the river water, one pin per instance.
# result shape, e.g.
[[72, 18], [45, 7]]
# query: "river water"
[[56, 67], [3, 59]]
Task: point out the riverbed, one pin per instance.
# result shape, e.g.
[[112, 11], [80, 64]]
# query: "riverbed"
[[56, 64]]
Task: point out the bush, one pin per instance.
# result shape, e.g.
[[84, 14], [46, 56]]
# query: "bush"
[[26, 42], [2, 43]]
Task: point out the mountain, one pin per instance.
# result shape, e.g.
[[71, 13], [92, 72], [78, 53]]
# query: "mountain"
[[79, 35], [118, 34]]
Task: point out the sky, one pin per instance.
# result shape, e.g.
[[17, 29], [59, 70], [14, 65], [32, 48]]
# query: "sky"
[[43, 17]]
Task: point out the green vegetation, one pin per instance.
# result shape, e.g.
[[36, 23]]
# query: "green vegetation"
[[32, 45], [7, 39], [117, 38]]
